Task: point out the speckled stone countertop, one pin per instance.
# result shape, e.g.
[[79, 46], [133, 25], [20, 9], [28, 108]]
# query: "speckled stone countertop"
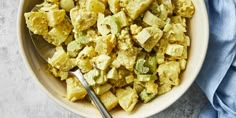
[[21, 98]]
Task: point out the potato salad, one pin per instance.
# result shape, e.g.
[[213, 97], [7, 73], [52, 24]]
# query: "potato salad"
[[129, 51]]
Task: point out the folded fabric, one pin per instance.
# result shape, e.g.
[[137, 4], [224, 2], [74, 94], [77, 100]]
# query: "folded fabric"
[[217, 77]]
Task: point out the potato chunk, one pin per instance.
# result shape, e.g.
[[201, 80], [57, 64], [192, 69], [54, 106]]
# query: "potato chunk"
[[129, 79], [150, 91], [174, 50], [112, 74], [102, 79], [184, 8], [105, 44], [75, 91], [176, 33], [58, 34], [156, 35], [61, 60], [67, 4], [127, 98], [136, 7], [164, 88], [73, 48], [169, 73], [63, 75], [82, 19], [182, 63], [55, 17], [95, 6], [91, 76], [84, 59], [114, 6], [143, 36], [101, 89], [102, 61], [126, 58], [85, 65], [37, 22], [87, 52], [109, 100]]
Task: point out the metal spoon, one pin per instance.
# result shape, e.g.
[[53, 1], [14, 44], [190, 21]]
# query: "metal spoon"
[[47, 50]]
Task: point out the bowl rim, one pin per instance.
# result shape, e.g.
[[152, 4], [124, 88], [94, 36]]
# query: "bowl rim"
[[45, 90]]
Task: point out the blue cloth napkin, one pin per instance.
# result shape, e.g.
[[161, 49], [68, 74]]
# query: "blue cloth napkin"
[[217, 77]]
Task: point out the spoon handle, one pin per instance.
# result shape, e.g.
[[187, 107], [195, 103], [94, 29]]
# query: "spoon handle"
[[102, 109]]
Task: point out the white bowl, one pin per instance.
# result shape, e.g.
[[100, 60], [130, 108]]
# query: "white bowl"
[[198, 30]]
